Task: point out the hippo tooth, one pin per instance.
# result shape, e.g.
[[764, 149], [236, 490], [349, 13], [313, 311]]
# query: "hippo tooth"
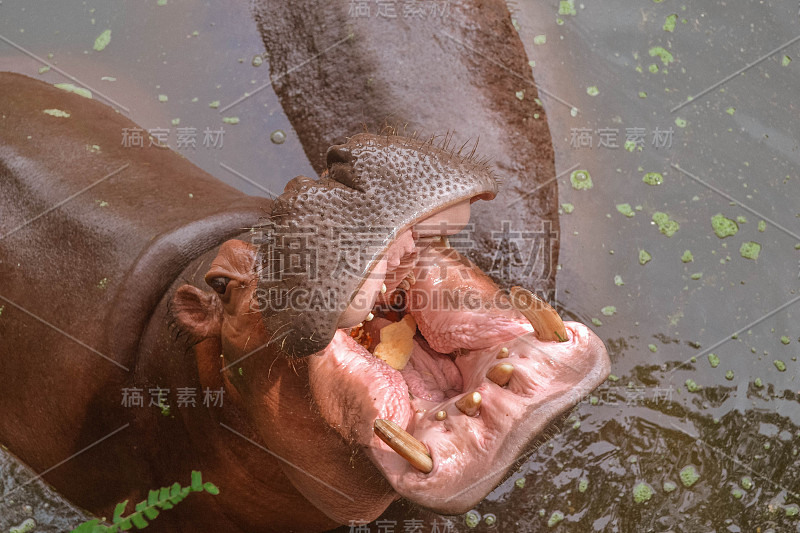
[[445, 241], [503, 353], [501, 373], [470, 404], [441, 415], [369, 317], [544, 319], [383, 288], [406, 446], [412, 279]]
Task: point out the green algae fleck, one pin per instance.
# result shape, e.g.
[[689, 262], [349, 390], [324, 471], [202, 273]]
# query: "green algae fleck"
[[70, 88], [723, 227], [596, 322], [163, 98], [680, 122], [27, 525], [555, 518], [730, 110], [214, 104], [520, 94], [652, 347], [540, 39], [653, 68], [567, 208], [689, 475], [737, 493], [608, 310], [762, 226], [786, 60], [472, 519], [741, 219], [747, 483], [780, 365], [750, 250], [669, 24], [630, 145], [653, 178], [642, 94], [56, 113], [642, 492], [592, 90], [102, 40], [785, 339], [729, 375], [520, 483], [566, 7], [625, 209], [669, 486], [696, 276], [665, 225], [583, 484], [618, 280], [691, 386], [758, 383], [663, 53], [230, 120], [687, 257], [792, 510], [713, 359], [581, 180], [644, 257]]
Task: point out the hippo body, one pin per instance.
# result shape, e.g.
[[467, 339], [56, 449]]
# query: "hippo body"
[[87, 281]]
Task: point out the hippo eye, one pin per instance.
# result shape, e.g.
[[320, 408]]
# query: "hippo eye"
[[219, 284]]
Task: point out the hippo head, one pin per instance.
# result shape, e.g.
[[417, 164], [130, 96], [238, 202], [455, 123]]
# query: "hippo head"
[[357, 339]]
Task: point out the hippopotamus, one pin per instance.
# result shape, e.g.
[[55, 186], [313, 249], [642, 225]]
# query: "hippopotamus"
[[130, 269]]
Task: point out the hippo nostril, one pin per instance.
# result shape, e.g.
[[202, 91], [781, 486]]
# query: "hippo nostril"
[[338, 154], [340, 167]]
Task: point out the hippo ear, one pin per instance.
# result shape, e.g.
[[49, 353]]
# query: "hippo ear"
[[197, 312]]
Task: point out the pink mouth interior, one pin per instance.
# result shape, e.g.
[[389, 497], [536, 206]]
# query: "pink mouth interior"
[[454, 348]]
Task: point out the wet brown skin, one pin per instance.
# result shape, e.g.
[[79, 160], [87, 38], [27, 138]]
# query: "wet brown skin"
[[105, 275], [459, 72]]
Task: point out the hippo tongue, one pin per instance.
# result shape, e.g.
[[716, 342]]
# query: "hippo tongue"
[[471, 446]]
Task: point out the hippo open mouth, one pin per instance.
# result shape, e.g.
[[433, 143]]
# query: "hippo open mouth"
[[417, 355], [479, 384]]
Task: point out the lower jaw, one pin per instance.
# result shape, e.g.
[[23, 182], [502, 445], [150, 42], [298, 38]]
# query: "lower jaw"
[[470, 452]]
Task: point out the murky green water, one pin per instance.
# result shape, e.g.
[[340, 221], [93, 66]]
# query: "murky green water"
[[612, 71]]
